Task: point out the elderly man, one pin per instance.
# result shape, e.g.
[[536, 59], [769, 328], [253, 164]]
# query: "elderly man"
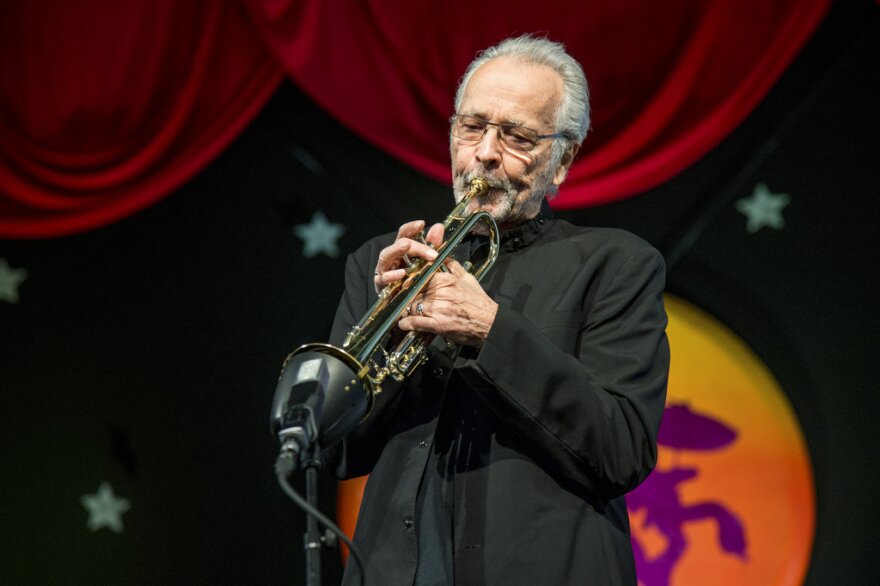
[[504, 460]]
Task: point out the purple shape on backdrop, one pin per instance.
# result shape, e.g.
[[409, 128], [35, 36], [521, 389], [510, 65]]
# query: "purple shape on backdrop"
[[659, 496], [684, 429]]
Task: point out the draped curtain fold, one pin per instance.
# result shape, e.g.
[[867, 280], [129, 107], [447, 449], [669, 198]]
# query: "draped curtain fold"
[[668, 79], [107, 107]]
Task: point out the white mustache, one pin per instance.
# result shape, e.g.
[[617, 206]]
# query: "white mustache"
[[494, 182]]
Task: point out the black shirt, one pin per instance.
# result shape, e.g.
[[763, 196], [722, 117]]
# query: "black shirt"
[[544, 429]]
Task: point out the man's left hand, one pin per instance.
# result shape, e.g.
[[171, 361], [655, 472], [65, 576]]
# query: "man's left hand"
[[453, 305]]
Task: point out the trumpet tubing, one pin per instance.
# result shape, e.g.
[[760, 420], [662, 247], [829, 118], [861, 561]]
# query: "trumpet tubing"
[[353, 374], [364, 351], [365, 341]]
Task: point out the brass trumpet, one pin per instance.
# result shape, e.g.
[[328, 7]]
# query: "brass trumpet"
[[340, 383]]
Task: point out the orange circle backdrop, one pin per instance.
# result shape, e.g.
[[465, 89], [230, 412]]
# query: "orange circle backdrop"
[[763, 478]]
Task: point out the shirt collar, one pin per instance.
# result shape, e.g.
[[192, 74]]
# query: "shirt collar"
[[527, 232]]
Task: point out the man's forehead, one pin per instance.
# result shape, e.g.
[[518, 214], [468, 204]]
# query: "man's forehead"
[[490, 116], [516, 69], [518, 91]]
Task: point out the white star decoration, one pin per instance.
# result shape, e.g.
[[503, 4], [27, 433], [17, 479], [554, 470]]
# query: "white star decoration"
[[764, 208], [319, 236], [10, 279], [105, 508]]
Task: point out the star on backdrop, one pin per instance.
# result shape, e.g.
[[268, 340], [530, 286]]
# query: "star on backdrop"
[[319, 236], [105, 508], [764, 208], [10, 279]]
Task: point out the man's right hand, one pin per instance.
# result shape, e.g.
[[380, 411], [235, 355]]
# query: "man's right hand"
[[391, 267]]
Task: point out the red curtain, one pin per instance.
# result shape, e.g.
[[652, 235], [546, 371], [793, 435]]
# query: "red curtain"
[[669, 79], [106, 107]]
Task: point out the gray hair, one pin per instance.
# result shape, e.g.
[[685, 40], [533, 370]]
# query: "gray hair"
[[573, 113]]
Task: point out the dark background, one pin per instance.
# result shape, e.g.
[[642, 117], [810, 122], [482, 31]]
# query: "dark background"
[[144, 354]]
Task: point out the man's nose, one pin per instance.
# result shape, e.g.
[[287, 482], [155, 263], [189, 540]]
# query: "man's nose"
[[489, 148]]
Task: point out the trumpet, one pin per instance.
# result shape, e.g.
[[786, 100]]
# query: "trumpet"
[[337, 386]]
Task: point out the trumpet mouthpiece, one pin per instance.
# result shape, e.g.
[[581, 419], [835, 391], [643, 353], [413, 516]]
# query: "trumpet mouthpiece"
[[477, 187]]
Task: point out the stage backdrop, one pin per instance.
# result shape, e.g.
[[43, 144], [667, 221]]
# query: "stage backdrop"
[[138, 351]]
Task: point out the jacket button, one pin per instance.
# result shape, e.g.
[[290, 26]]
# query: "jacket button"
[[423, 444], [408, 522], [439, 372]]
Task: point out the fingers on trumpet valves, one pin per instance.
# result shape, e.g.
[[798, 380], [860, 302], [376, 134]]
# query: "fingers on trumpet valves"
[[410, 229], [435, 235], [381, 280]]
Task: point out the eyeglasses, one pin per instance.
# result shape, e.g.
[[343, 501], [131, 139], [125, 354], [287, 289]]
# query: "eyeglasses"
[[513, 136]]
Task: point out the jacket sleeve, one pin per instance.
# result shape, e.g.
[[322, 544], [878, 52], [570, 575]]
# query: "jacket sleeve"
[[591, 415], [356, 454]]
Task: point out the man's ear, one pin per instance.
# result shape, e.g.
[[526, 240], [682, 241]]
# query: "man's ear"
[[567, 159]]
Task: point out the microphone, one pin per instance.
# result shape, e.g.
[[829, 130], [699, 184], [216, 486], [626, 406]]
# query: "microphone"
[[318, 399]]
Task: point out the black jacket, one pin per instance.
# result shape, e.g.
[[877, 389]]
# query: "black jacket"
[[564, 399]]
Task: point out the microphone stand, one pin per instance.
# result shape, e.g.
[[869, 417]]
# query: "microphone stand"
[[301, 402], [313, 539]]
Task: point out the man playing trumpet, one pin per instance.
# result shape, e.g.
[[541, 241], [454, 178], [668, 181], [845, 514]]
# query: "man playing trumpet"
[[504, 460]]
